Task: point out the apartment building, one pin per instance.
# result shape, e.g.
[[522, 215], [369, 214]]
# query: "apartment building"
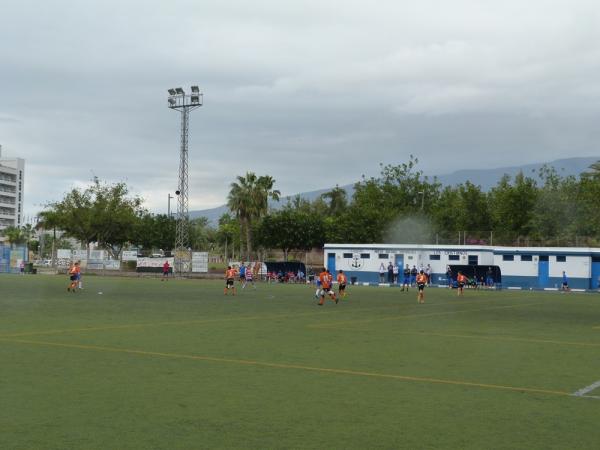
[[12, 183]]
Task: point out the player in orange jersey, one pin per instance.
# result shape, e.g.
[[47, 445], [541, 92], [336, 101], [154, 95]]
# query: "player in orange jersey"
[[325, 278], [461, 280], [229, 279], [421, 282], [342, 280], [74, 272]]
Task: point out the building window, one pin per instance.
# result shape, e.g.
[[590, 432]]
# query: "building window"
[[508, 257], [365, 255], [526, 258], [453, 257], [434, 257], [20, 174], [347, 255], [383, 256], [561, 258]]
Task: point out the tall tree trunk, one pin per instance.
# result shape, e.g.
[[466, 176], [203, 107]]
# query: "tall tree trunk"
[[249, 240]]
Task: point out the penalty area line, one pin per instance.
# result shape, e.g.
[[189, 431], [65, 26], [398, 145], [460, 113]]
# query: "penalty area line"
[[358, 373]]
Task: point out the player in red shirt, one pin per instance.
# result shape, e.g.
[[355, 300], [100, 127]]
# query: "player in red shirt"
[[165, 275]]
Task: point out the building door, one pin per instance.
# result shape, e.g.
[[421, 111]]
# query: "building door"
[[331, 262], [594, 282], [473, 260], [543, 271], [399, 262]]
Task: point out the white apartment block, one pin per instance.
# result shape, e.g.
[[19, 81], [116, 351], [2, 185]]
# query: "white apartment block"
[[12, 183]]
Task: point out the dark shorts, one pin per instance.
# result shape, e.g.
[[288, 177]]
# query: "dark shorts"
[[73, 278], [406, 280], [229, 282], [461, 285], [421, 286], [342, 287], [165, 273], [242, 277], [565, 284]]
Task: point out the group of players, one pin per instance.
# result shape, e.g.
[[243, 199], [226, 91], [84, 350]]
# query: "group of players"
[[246, 277], [325, 284]]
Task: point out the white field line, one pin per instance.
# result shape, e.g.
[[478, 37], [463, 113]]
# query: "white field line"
[[587, 389], [516, 288], [551, 289]]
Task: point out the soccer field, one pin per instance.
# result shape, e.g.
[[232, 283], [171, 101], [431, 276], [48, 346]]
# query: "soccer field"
[[176, 365]]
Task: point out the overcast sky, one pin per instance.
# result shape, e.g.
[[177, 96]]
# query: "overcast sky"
[[313, 93]]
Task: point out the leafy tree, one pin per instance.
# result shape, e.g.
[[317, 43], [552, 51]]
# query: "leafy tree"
[[291, 229], [115, 215], [202, 236], [154, 232], [512, 206], [100, 213]]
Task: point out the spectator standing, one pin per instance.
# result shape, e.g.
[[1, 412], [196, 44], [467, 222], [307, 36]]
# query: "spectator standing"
[[413, 275], [382, 273], [449, 276], [428, 274], [406, 281], [565, 282], [390, 270], [396, 270], [489, 277]]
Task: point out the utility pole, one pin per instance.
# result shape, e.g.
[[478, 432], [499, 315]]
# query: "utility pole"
[[184, 103]]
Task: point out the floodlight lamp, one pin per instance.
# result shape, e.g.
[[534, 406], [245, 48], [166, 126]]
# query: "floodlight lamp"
[[177, 192], [172, 101], [179, 91], [172, 91], [195, 98], [195, 89]]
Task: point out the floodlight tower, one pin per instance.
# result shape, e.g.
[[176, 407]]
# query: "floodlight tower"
[[184, 103]]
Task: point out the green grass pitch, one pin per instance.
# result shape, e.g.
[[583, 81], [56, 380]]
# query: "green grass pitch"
[[176, 365]]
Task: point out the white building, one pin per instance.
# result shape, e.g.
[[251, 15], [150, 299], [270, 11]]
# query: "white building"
[[524, 267], [12, 183]]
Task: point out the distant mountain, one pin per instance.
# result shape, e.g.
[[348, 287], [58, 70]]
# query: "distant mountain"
[[486, 178]]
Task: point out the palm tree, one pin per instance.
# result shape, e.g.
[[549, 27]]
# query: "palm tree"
[[248, 199], [337, 200], [594, 172], [14, 235]]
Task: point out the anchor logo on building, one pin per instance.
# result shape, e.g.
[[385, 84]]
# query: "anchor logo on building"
[[356, 262]]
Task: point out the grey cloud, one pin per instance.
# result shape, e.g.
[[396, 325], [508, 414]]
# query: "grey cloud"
[[314, 92]]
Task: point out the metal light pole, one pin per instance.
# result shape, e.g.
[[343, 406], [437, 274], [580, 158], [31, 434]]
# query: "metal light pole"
[[184, 103], [169, 205]]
